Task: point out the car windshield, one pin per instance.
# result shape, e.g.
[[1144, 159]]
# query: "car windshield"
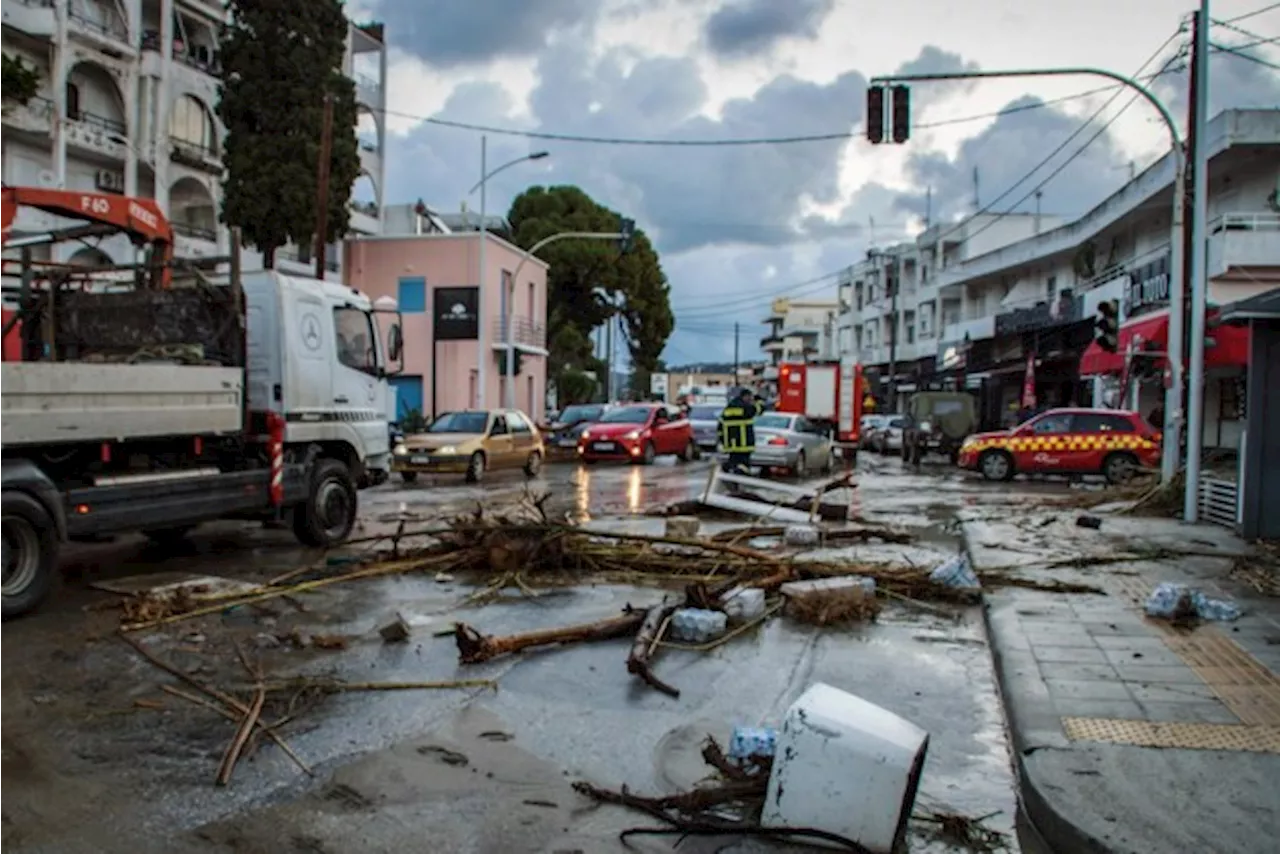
[[460, 422], [628, 415], [704, 413], [776, 422], [895, 422], [574, 414]]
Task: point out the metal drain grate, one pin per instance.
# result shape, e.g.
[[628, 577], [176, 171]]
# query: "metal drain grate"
[[1252, 739]]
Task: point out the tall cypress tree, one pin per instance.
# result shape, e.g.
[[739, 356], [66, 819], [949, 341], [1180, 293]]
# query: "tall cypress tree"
[[279, 59]]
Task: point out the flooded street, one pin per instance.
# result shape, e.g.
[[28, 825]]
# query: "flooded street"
[[97, 758]]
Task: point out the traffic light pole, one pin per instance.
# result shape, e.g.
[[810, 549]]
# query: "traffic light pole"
[[1174, 415], [510, 401]]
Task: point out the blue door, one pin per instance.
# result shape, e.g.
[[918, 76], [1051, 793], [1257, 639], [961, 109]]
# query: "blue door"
[[408, 391]]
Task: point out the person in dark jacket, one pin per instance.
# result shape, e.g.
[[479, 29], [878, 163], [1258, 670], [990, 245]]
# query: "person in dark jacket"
[[737, 430]]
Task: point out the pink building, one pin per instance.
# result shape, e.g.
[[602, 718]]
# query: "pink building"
[[433, 279]]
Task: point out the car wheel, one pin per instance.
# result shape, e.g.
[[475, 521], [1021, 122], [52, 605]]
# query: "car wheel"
[[1119, 468], [690, 453], [649, 455], [329, 513], [408, 476], [475, 468], [533, 465], [801, 468], [996, 465], [30, 553]]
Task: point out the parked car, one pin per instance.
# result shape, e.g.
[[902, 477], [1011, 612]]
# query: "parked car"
[[868, 427], [888, 437], [705, 419], [1109, 442], [938, 422], [638, 432], [792, 442], [470, 443], [562, 436]]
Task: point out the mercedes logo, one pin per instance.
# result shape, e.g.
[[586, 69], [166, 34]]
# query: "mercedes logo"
[[311, 332], [458, 309]]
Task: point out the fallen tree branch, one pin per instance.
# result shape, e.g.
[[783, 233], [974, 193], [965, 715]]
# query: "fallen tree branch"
[[474, 647], [640, 660], [232, 754]]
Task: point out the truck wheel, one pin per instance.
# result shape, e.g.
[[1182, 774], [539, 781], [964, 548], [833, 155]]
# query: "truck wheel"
[[327, 517], [168, 537], [30, 544], [475, 468]]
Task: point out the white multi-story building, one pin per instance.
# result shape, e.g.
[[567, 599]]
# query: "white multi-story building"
[[800, 330], [126, 105], [980, 297]]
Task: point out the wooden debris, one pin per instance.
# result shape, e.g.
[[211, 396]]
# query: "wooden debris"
[[247, 723], [639, 662], [330, 642], [474, 647], [682, 527]]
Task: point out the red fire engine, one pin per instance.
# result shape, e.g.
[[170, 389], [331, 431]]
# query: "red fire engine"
[[827, 393]]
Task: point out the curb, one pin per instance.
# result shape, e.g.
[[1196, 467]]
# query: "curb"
[[1059, 833]]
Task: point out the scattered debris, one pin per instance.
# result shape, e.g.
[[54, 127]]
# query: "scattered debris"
[[474, 647], [1091, 522], [698, 625], [396, 631], [742, 604], [639, 661], [831, 601], [1182, 604], [330, 642], [801, 536], [956, 572], [750, 742], [964, 832], [682, 527]]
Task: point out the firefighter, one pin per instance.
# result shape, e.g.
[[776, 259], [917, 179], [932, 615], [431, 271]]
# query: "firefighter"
[[737, 430]]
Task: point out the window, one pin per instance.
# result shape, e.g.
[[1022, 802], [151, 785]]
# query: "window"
[[532, 312], [1051, 286], [499, 427], [507, 293], [412, 295], [191, 124], [518, 424], [1101, 422], [353, 333], [1059, 423], [774, 422], [459, 422], [73, 101], [628, 415]]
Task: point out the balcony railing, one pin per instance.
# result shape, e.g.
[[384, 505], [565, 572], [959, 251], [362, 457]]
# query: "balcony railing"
[[524, 331], [190, 229], [115, 126], [200, 57], [366, 208], [195, 155], [113, 28], [1245, 222]]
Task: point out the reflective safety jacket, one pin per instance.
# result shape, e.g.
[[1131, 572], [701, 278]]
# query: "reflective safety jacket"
[[737, 427]]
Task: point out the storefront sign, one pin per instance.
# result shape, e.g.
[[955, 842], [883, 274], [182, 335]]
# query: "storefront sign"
[[456, 314], [1147, 288]]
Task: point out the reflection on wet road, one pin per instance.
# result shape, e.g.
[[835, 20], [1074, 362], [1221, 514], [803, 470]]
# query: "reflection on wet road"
[[94, 766]]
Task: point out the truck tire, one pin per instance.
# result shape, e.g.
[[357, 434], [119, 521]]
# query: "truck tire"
[[326, 518], [30, 553]]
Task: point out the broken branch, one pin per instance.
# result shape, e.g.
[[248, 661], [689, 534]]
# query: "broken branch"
[[639, 662], [247, 724], [474, 647]]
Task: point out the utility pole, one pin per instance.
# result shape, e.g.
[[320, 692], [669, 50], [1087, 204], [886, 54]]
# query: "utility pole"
[[322, 184], [1199, 157], [895, 283], [608, 360], [1188, 236], [735, 352]]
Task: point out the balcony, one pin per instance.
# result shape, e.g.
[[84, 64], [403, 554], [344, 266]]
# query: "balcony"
[[102, 28], [101, 135], [35, 116], [200, 58], [195, 155], [33, 17], [368, 89], [976, 329], [194, 241], [770, 343], [1243, 240], [526, 334], [365, 218]]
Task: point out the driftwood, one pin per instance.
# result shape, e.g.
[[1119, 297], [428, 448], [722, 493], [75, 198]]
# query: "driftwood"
[[474, 647], [639, 662]]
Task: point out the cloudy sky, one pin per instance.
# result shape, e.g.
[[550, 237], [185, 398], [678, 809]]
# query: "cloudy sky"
[[739, 224]]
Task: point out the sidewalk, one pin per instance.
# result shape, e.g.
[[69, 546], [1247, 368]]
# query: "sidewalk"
[[1130, 735]]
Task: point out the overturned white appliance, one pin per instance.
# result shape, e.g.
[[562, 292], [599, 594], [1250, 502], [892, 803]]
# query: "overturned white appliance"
[[721, 486], [845, 766]]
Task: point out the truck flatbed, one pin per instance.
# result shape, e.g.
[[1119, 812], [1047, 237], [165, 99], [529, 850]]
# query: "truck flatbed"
[[50, 402]]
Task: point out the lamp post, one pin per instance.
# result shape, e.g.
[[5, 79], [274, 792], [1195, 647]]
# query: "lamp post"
[[482, 352]]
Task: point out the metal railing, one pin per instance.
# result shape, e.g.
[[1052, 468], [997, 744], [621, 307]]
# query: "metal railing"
[[524, 330], [115, 126], [366, 208], [193, 149], [40, 106], [1219, 501], [190, 229], [112, 28], [1245, 222]]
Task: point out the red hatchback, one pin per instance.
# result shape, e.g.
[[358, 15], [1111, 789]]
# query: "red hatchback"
[[638, 432]]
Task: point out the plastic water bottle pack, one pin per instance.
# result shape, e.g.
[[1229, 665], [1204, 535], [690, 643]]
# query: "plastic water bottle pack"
[[748, 741], [695, 625]]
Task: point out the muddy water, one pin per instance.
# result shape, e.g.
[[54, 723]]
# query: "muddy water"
[[91, 771]]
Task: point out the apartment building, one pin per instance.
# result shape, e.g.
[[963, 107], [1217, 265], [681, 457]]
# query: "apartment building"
[[971, 304], [799, 330], [126, 105]]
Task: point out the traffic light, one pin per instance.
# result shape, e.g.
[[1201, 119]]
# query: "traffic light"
[[875, 114], [901, 113], [626, 232], [1107, 326]]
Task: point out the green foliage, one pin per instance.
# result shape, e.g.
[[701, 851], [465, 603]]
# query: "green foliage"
[[413, 422], [574, 386], [579, 267], [21, 82], [279, 60]]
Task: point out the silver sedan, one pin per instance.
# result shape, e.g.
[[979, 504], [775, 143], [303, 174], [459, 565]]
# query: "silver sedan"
[[791, 442]]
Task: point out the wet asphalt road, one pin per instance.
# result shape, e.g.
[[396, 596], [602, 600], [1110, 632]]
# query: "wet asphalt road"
[[88, 768]]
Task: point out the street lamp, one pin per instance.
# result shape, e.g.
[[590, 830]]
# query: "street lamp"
[[482, 351]]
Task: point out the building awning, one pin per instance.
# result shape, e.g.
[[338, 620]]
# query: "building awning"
[[1264, 306], [1225, 346]]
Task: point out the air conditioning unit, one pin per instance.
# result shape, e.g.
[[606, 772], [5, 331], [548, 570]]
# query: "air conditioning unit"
[[109, 181]]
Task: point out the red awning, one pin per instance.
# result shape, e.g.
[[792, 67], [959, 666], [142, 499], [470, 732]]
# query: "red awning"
[[1225, 345]]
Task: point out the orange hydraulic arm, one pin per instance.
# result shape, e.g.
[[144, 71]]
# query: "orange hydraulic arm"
[[141, 219]]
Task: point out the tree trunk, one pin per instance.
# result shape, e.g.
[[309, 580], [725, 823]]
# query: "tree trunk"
[[269, 257]]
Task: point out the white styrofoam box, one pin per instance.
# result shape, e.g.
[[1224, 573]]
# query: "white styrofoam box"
[[801, 535], [696, 625], [839, 583], [744, 603], [845, 766]]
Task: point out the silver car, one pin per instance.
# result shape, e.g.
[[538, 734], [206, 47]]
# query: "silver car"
[[791, 442], [705, 419]]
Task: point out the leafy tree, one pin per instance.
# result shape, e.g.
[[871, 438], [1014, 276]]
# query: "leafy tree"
[[280, 58], [634, 281], [21, 81]]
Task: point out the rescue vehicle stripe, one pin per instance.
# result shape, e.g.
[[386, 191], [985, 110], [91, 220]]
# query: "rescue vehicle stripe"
[[1085, 442]]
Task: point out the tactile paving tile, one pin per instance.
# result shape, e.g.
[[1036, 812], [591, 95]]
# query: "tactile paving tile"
[[1188, 736]]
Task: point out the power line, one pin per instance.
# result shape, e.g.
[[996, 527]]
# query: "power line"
[[742, 142], [741, 303], [1236, 52], [1248, 15]]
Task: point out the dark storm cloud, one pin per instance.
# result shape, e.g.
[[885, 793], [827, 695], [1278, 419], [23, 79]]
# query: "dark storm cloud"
[[448, 33], [935, 60], [745, 28]]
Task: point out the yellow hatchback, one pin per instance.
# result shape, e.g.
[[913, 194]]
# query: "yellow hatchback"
[[471, 443]]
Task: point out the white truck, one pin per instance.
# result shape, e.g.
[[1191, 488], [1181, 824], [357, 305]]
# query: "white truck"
[[177, 399]]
